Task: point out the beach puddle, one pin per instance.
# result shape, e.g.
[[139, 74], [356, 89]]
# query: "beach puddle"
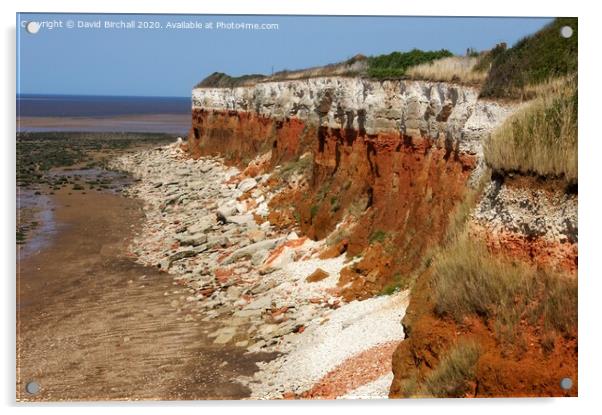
[[36, 214]]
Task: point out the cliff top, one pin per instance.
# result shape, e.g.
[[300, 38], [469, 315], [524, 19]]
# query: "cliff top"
[[499, 73], [354, 66]]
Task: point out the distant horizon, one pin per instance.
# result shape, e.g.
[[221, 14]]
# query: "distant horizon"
[[97, 56], [98, 95]]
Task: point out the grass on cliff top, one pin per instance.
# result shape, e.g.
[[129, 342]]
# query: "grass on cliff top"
[[395, 64], [351, 67], [392, 65], [540, 138], [470, 281], [533, 60], [462, 69]]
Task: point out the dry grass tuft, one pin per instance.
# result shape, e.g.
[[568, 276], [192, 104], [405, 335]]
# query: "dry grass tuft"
[[540, 138], [452, 377], [451, 69], [469, 280]]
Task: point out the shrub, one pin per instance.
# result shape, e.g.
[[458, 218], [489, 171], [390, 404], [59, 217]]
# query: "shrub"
[[540, 138], [222, 80], [395, 64], [450, 379], [533, 60], [486, 59]]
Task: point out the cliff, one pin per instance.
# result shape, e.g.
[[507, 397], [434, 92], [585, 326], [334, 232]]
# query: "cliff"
[[392, 172], [449, 115]]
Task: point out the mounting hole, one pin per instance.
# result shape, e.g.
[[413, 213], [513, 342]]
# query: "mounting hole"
[[32, 387], [566, 383], [566, 31], [32, 27]]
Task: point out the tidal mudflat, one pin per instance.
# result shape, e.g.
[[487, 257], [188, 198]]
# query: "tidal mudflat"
[[92, 322]]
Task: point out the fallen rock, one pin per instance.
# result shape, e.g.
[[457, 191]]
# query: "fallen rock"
[[201, 226], [239, 219], [248, 313], [233, 292], [247, 184], [318, 275], [249, 250], [192, 240], [224, 335], [262, 303], [223, 212], [185, 254], [195, 185], [213, 241], [257, 346], [258, 257], [256, 235]]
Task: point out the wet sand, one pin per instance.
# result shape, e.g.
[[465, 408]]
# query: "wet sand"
[[151, 123], [95, 325]]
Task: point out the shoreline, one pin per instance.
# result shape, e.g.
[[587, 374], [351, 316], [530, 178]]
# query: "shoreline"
[[94, 324]]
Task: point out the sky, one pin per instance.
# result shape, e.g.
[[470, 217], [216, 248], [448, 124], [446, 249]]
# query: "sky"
[[153, 59]]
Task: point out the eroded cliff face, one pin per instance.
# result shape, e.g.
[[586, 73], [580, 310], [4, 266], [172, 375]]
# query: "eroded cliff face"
[[380, 168], [449, 114], [391, 158], [530, 219]]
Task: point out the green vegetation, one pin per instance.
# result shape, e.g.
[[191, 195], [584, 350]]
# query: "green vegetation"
[[394, 286], [392, 65], [222, 80], [540, 138], [21, 236], [377, 236], [533, 60], [351, 67], [452, 376], [505, 73], [301, 165], [334, 204], [37, 153], [468, 280], [486, 59], [395, 64]]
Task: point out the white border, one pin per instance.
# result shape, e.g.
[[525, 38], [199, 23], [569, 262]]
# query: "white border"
[[590, 273]]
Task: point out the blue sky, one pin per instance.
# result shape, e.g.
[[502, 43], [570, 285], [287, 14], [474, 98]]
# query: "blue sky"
[[168, 62]]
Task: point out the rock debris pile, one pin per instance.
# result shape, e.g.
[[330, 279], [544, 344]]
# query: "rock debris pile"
[[206, 226]]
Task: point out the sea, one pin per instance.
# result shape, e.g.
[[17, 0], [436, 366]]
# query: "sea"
[[103, 113]]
